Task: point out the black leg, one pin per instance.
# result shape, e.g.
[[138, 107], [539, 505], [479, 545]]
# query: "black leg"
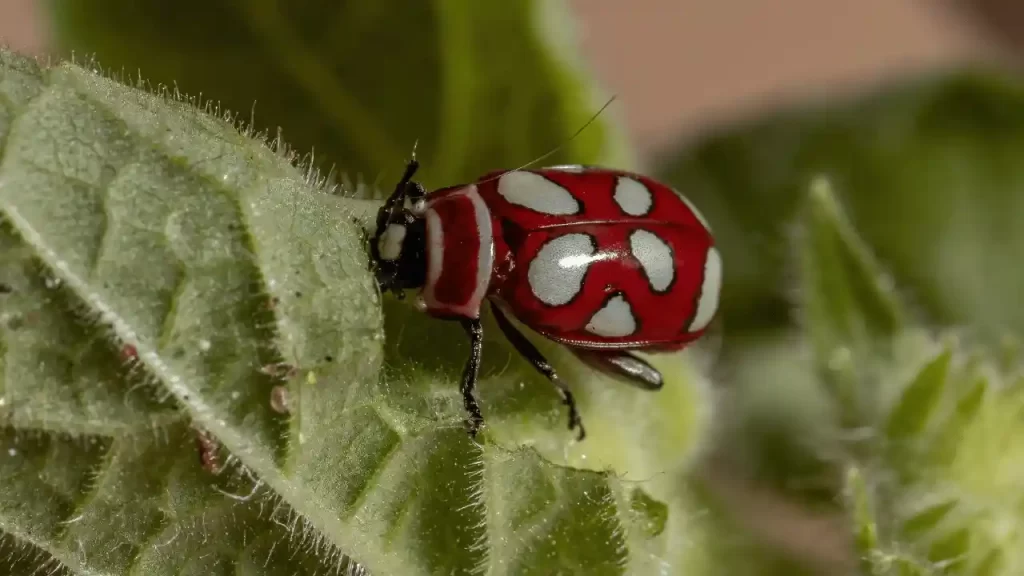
[[470, 372], [530, 352], [627, 367]]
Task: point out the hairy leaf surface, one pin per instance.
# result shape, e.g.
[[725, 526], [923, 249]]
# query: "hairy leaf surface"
[[168, 280]]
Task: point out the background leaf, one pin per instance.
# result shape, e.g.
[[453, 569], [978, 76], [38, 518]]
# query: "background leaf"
[[927, 170], [480, 86]]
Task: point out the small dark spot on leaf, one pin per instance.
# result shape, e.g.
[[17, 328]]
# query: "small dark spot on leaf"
[[298, 294], [328, 358], [5, 288]]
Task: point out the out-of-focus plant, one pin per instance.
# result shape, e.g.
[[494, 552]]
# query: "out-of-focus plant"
[[197, 374]]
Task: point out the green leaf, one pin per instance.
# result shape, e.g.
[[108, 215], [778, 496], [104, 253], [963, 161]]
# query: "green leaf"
[[918, 401], [843, 286], [930, 174], [858, 499], [850, 316], [928, 518], [947, 500], [480, 86], [168, 279]]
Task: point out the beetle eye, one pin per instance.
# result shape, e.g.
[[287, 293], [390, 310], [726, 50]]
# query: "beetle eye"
[[390, 243]]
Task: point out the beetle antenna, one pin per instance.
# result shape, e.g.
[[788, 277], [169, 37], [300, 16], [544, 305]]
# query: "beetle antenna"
[[556, 148]]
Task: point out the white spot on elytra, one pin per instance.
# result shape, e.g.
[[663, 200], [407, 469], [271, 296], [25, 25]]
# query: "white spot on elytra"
[[204, 345], [537, 193], [390, 243], [556, 273], [633, 197], [655, 257], [613, 320], [12, 452], [708, 303]]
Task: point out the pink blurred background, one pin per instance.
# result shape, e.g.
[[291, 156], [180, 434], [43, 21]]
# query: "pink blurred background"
[[679, 65]]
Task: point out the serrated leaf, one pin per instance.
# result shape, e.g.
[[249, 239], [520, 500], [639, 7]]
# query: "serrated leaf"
[[929, 174], [172, 279], [919, 400], [480, 86]]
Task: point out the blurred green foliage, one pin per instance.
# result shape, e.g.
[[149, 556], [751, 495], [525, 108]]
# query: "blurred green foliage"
[[849, 229], [928, 169], [479, 86]]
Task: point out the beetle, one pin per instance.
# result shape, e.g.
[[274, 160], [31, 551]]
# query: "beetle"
[[603, 261]]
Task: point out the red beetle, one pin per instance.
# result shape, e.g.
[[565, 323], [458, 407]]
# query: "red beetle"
[[603, 261]]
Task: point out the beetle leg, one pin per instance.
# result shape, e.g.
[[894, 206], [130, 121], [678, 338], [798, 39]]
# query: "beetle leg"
[[627, 367], [531, 353], [475, 331]]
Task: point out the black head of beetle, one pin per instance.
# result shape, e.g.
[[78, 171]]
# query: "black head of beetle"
[[398, 245]]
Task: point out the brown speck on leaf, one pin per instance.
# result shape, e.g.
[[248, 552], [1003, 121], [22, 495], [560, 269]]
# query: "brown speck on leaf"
[[129, 353], [279, 399], [207, 446]]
